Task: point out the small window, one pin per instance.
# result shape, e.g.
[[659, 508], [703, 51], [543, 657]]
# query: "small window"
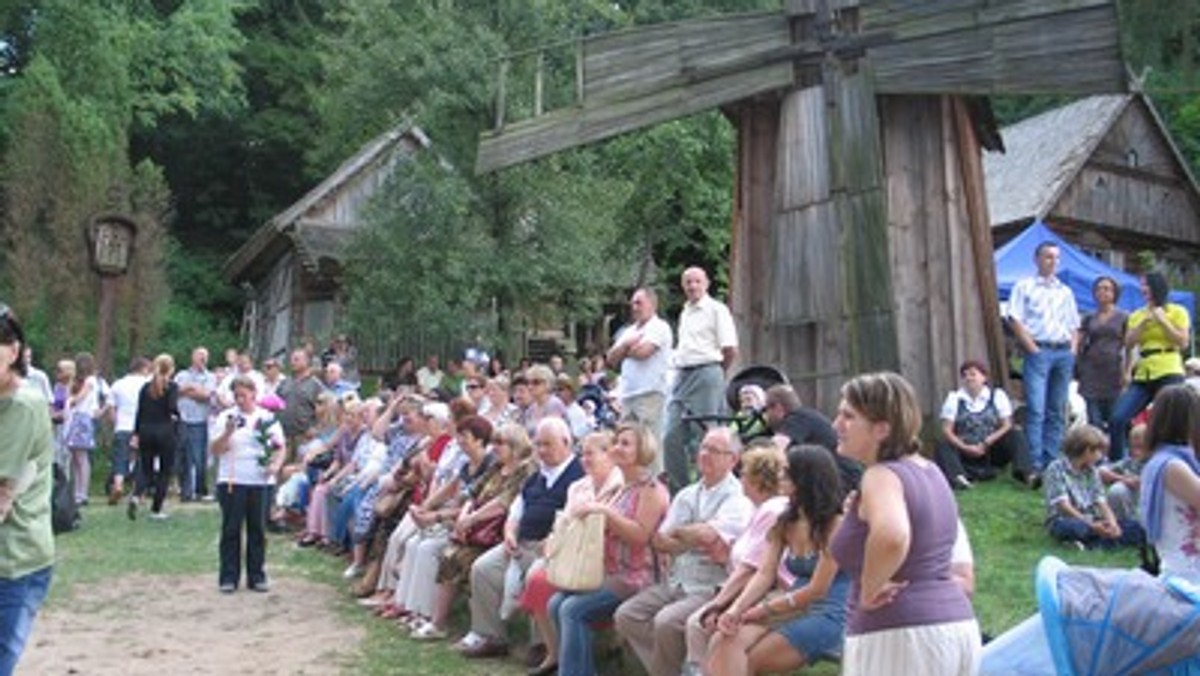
[[1131, 157]]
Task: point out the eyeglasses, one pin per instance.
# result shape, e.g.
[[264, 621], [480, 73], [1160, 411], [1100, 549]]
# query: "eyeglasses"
[[474, 386], [708, 448], [537, 381]]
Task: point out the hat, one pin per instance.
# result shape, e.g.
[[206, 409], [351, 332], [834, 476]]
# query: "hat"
[[1192, 365]]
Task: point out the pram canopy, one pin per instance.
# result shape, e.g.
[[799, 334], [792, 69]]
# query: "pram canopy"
[[1113, 621]]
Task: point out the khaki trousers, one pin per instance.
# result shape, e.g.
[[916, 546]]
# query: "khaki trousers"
[[653, 623]]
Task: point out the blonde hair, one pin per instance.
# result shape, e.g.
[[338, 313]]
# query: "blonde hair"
[[761, 464], [164, 368], [647, 442]]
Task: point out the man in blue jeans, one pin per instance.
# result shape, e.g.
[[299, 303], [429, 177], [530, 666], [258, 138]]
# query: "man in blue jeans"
[[1045, 321], [196, 388]]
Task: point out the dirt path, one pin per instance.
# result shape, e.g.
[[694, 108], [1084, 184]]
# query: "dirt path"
[[182, 625]]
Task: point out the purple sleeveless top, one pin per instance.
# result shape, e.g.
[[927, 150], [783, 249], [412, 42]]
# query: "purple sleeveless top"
[[932, 596]]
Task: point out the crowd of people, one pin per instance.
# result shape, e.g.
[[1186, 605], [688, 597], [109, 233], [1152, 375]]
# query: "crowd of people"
[[755, 542]]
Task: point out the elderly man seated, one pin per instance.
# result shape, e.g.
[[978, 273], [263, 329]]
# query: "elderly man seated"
[[529, 522], [702, 521]]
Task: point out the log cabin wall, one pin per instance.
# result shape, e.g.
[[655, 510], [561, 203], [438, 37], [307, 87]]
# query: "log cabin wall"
[[939, 307], [757, 123]]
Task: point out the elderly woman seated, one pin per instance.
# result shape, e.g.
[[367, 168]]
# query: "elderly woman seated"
[[434, 519], [479, 525]]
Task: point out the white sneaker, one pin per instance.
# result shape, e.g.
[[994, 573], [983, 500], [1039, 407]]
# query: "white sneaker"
[[353, 571], [158, 516], [428, 632], [471, 640]]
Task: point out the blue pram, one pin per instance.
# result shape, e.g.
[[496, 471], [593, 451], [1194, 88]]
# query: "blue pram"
[[1095, 622]]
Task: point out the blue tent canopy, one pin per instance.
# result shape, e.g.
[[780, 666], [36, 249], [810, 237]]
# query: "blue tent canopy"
[[1076, 269]]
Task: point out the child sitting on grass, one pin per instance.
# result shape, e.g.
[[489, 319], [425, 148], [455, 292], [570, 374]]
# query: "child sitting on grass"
[[1077, 510], [1124, 477]]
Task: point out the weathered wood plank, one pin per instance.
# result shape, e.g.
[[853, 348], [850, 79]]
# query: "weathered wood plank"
[[806, 276], [757, 125], [803, 152], [906, 20], [1018, 56], [640, 60], [568, 128], [854, 128]]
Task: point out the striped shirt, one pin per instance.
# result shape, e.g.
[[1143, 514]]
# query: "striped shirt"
[[1045, 307]]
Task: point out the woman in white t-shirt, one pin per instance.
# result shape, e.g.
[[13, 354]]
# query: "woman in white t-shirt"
[[249, 450]]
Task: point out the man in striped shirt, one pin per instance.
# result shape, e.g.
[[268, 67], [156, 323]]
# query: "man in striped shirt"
[[1045, 321]]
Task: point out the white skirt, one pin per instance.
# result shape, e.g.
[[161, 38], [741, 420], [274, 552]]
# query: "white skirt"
[[953, 648]]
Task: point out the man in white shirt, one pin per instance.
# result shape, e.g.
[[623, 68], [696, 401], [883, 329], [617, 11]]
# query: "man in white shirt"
[[707, 347], [429, 376], [125, 393], [1044, 318], [642, 350], [702, 522], [37, 377]]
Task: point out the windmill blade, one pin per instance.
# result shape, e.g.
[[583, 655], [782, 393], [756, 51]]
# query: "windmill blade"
[[641, 77], [994, 46]]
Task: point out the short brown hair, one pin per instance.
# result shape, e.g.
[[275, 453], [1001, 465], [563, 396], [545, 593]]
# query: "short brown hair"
[[887, 397], [1083, 438]]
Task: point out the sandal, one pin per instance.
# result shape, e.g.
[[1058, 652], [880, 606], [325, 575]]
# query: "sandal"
[[428, 632]]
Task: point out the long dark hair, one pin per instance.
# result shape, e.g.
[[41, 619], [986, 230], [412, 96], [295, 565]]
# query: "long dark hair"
[[816, 493], [1174, 418], [1159, 288]]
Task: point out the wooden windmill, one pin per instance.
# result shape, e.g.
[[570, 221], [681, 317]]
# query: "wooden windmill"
[[861, 239]]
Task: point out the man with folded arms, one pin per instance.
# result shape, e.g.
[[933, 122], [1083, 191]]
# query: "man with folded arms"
[[701, 523]]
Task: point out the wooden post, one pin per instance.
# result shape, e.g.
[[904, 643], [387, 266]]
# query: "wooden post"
[[579, 65], [501, 89], [104, 332], [971, 165], [538, 81]]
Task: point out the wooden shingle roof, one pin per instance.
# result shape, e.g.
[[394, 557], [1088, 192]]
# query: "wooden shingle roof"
[[1044, 154]]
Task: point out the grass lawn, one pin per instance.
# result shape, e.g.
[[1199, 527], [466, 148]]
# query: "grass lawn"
[[1004, 521]]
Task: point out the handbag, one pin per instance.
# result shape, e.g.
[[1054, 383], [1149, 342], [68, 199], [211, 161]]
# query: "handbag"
[[388, 504], [575, 554], [485, 534]]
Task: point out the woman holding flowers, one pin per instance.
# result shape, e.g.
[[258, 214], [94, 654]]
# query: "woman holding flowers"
[[249, 452]]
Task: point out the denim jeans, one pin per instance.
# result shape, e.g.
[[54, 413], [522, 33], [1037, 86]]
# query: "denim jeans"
[[242, 505], [20, 599], [1132, 401], [1100, 412], [1068, 528], [192, 480], [573, 615], [343, 515], [1047, 376]]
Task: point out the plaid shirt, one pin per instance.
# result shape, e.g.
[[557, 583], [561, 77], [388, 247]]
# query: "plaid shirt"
[[1083, 488]]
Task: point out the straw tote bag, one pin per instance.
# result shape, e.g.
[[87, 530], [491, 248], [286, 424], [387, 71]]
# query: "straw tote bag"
[[575, 554]]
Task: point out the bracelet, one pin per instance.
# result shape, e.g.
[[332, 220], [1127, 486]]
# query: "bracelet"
[[791, 599], [766, 607]]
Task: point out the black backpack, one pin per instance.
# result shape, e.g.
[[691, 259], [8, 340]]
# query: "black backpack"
[[64, 513]]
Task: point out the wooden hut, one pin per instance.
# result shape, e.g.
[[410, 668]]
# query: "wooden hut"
[[1106, 175], [290, 267]]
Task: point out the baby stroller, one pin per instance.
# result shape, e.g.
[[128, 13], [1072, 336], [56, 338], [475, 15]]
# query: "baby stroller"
[[1095, 622], [752, 425], [602, 410]]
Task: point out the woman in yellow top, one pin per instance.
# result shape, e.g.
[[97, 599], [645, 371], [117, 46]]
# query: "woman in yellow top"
[[1159, 330]]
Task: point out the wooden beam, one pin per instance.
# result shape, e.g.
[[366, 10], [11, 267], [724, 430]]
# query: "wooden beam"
[[558, 130]]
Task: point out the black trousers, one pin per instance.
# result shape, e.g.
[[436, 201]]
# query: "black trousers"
[[156, 457], [242, 505], [1011, 448]]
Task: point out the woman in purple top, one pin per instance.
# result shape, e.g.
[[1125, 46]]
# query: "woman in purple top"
[[906, 613]]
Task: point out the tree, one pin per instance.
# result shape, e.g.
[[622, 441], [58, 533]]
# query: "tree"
[[99, 71]]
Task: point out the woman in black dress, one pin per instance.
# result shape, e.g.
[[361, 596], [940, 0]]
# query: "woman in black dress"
[[1101, 352], [154, 435]]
